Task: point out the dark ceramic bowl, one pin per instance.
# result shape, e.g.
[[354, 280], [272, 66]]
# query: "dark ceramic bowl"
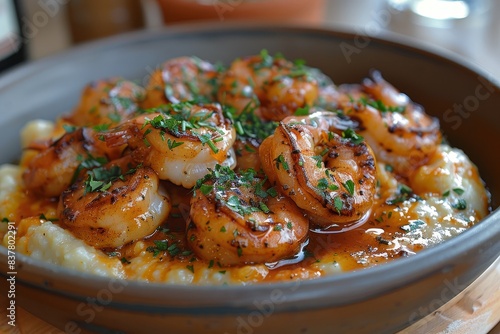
[[381, 299]]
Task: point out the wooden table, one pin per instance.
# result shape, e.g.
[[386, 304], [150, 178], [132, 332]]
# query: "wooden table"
[[475, 310]]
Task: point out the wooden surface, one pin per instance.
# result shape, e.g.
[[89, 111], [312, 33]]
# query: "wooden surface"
[[475, 310]]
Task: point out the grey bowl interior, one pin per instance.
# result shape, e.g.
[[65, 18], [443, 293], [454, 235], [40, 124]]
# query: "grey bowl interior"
[[382, 299]]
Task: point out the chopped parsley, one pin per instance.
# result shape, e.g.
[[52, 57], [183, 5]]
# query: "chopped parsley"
[[349, 185], [222, 182], [114, 117], [100, 179], [248, 125], [322, 184], [302, 111], [280, 160], [206, 138], [339, 205], [173, 144], [404, 193], [272, 192], [413, 225], [461, 204], [379, 105], [458, 191], [160, 246], [353, 136], [319, 160], [121, 103], [69, 128], [88, 163], [101, 127], [206, 189], [266, 60], [178, 119]]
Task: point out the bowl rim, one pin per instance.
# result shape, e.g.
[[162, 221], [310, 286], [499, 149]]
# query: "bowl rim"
[[339, 286]]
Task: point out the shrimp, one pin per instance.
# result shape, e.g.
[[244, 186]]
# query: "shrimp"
[[187, 140], [107, 102], [279, 86], [58, 164], [182, 79], [114, 205], [331, 177], [238, 219], [400, 133]]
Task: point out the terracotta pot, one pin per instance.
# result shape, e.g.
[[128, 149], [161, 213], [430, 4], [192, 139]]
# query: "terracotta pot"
[[311, 11]]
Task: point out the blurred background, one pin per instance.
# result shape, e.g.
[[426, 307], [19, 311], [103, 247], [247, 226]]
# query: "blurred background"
[[33, 29]]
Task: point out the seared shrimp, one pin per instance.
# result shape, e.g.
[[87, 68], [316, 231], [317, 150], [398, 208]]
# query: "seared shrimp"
[[58, 164], [276, 84], [238, 219], [186, 141], [107, 102], [114, 206], [399, 132], [329, 176], [182, 79]]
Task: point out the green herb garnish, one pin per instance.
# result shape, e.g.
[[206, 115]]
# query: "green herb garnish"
[[353, 136], [349, 185], [379, 105], [160, 246], [280, 160], [461, 204], [413, 225]]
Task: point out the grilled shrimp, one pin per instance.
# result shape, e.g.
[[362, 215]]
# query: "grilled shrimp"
[[187, 140], [114, 205], [330, 176], [400, 133], [238, 219], [107, 102], [57, 165], [276, 84], [182, 79]]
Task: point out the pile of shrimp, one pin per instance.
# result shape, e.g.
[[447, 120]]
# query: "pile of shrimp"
[[228, 166]]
